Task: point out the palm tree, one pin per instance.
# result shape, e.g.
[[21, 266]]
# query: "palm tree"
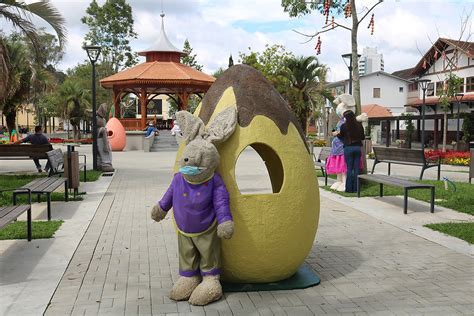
[[19, 78], [18, 13], [76, 102], [306, 92]]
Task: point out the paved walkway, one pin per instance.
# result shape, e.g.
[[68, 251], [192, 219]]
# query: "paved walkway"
[[126, 263]]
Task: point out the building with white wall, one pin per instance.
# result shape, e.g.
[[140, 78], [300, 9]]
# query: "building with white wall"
[[370, 61]]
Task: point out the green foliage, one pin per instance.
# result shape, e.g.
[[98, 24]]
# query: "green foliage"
[[452, 85], [299, 8], [464, 231], [190, 59], [467, 126], [218, 72], [39, 230], [409, 127], [75, 102], [111, 27]]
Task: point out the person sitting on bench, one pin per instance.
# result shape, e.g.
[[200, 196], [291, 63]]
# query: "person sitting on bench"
[[37, 138]]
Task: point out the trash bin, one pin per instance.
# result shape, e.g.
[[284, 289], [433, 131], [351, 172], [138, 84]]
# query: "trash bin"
[[71, 168]]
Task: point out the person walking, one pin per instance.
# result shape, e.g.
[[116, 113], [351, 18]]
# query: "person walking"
[[38, 138], [352, 135]]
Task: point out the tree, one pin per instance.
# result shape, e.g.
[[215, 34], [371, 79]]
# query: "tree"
[[18, 13], [271, 62], [306, 92], [111, 27], [190, 59], [231, 61], [75, 102], [335, 7], [452, 85], [19, 79]]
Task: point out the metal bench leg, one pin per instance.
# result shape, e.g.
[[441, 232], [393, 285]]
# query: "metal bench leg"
[[66, 193], [358, 187], [14, 198], [439, 171], [381, 190], [38, 197], [405, 200], [432, 199], [28, 223], [422, 172], [85, 174], [48, 195], [373, 166], [389, 168], [326, 179]]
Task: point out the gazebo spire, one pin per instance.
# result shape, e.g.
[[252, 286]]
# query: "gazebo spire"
[[163, 49]]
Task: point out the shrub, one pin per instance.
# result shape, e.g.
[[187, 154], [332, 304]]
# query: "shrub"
[[319, 143]]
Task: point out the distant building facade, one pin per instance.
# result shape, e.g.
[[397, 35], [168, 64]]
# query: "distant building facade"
[[370, 61]]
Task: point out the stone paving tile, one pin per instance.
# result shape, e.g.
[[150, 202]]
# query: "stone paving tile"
[[126, 265]]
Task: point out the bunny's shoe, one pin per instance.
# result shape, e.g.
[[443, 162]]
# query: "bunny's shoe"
[[208, 291], [183, 288]]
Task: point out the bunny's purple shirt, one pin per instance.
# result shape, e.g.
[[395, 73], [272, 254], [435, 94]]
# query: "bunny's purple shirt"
[[197, 206]]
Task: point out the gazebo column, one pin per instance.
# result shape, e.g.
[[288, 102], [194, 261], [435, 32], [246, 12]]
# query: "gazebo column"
[[116, 103], [143, 101], [184, 97]]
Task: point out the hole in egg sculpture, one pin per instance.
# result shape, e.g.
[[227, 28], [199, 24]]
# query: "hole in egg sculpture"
[[110, 133], [266, 176]]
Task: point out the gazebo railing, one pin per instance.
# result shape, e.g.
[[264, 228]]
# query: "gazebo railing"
[[131, 124]]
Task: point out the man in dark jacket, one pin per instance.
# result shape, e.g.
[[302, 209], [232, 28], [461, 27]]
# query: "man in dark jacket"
[[37, 138]]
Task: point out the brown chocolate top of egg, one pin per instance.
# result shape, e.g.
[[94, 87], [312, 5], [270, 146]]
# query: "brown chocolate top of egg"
[[254, 96]]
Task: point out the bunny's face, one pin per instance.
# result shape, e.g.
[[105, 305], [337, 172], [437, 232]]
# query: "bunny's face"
[[200, 157], [202, 154]]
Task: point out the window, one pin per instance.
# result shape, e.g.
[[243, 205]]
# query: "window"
[[413, 87], [400, 89], [376, 92], [439, 88], [430, 89], [469, 84]]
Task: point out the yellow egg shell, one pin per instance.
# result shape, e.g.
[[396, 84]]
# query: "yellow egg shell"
[[273, 232]]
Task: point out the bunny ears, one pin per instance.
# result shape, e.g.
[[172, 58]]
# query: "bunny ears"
[[218, 131]]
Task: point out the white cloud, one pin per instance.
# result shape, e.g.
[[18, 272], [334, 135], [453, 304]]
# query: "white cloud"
[[216, 29]]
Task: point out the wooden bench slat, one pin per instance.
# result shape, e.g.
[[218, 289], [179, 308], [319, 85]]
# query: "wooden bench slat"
[[10, 213], [394, 181]]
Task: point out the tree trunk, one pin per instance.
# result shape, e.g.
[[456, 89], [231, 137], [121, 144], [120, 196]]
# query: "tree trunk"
[[355, 58], [445, 130], [10, 120]]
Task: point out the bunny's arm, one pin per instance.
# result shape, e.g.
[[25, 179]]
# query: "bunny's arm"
[[160, 210], [225, 228]]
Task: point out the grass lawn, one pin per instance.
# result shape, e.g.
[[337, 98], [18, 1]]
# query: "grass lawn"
[[91, 175], [39, 230], [464, 231], [16, 181], [462, 200]]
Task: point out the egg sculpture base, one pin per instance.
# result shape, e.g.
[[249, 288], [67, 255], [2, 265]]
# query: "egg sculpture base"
[[273, 232]]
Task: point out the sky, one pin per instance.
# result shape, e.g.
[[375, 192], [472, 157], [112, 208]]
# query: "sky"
[[404, 29]]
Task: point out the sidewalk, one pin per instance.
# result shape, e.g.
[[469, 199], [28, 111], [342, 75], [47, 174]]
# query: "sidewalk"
[[126, 263]]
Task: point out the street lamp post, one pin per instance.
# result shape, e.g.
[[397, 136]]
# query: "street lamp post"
[[93, 53], [458, 97], [423, 83], [349, 66]]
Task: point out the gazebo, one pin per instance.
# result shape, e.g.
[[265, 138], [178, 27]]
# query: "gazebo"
[[161, 74]]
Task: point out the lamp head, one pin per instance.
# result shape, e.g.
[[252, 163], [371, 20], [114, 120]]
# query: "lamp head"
[[423, 83], [93, 52], [458, 97]]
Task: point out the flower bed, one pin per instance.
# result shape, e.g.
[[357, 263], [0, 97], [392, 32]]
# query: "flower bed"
[[54, 140], [451, 157]]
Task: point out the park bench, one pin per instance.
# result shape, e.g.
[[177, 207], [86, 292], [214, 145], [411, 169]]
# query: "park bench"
[[56, 163], [321, 162], [49, 184], [405, 156], [26, 151], [9, 214], [405, 184]]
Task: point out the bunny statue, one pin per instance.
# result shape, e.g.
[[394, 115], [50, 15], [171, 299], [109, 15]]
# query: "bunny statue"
[[201, 209], [335, 163]]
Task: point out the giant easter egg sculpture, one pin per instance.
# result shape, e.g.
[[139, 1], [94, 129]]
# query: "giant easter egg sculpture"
[[116, 134], [273, 232]]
